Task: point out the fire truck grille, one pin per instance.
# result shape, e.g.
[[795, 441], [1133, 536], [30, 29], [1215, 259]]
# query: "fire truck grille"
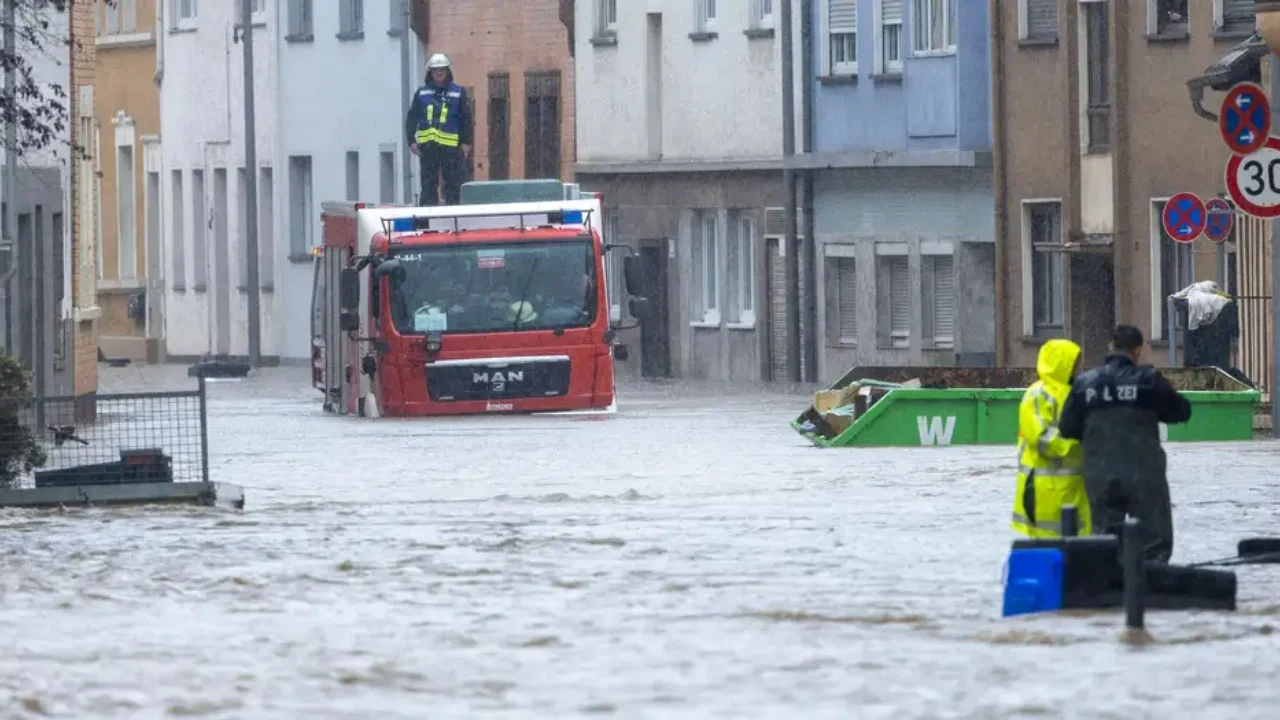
[[478, 381]]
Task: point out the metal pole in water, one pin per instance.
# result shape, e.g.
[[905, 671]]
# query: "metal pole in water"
[[406, 80], [1275, 275], [1070, 521], [251, 191], [792, 253], [1135, 601]]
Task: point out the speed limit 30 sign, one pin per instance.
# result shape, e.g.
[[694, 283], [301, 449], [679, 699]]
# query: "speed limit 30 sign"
[[1253, 180]]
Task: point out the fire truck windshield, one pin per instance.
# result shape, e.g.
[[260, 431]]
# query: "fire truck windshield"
[[491, 287]]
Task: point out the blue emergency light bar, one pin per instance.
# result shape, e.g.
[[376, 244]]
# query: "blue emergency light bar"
[[416, 223]]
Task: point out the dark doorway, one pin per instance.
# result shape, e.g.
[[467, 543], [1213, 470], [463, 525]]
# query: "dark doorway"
[[655, 332]]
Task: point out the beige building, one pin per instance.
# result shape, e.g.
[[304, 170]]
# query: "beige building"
[[127, 112], [1093, 130], [84, 199]]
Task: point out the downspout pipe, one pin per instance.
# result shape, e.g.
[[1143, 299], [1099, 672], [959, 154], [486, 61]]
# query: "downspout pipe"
[[10, 234], [999, 158], [811, 252], [792, 254]]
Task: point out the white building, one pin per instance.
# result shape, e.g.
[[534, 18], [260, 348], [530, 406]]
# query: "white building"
[[340, 128], [679, 124], [203, 177]]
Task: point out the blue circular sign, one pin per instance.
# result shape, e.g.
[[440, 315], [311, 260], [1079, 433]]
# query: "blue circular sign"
[[1184, 217]]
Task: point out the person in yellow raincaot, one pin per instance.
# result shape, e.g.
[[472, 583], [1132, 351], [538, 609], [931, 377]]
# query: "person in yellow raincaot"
[[1049, 465]]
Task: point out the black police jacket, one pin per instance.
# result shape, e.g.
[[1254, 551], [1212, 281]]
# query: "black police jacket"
[[1115, 411]]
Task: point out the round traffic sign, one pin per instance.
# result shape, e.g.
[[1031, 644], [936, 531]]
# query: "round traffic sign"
[[1245, 118], [1184, 217], [1221, 216], [1253, 180]]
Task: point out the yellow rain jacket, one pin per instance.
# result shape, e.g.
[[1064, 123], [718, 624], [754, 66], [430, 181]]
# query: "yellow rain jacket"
[[1049, 465]]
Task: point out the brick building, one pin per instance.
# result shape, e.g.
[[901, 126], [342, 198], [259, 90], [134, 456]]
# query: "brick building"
[[84, 197], [514, 58]]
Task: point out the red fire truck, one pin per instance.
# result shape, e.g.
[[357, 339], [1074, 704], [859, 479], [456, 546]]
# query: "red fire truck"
[[481, 307]]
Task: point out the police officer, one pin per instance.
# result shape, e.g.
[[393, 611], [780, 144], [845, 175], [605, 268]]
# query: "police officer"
[[1116, 411], [438, 129]]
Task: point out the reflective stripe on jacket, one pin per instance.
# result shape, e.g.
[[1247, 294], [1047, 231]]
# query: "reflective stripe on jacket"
[[1049, 465], [440, 118]]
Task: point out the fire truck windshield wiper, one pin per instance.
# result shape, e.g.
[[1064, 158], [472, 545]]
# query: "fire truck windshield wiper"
[[519, 305]]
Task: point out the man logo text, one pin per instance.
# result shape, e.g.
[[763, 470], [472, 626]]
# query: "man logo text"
[[498, 377], [933, 431]]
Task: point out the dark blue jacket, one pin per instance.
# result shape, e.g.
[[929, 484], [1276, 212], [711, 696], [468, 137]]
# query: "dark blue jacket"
[[430, 103]]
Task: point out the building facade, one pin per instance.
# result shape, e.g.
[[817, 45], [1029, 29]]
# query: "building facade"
[[130, 269], [515, 61], [83, 314], [1082, 172], [683, 137], [203, 178], [903, 186]]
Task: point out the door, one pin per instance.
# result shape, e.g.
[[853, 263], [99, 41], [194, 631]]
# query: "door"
[[776, 263], [655, 332], [222, 287]]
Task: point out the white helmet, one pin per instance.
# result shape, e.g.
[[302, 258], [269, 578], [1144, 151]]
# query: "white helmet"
[[439, 60]]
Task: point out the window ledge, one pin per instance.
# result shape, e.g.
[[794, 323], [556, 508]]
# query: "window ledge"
[[1167, 37], [606, 39], [301, 257], [180, 289], [1038, 42], [182, 29], [703, 36], [87, 314], [200, 287], [758, 33], [927, 54], [393, 32], [837, 79], [350, 35], [300, 37], [887, 78], [704, 325], [123, 40], [1231, 33], [842, 344], [741, 326], [264, 288], [258, 21]]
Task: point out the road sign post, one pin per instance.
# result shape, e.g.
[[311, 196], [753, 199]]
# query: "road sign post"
[[1184, 217], [1220, 218], [1245, 119], [1253, 180]]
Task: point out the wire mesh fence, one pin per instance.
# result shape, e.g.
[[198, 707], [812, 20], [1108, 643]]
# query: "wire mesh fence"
[[133, 438]]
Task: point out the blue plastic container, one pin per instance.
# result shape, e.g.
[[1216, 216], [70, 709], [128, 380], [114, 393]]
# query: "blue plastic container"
[[1033, 582]]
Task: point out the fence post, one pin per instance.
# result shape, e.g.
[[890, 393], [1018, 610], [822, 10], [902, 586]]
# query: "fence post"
[[204, 430]]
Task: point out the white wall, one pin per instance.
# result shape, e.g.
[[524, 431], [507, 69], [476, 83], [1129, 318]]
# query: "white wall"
[[721, 98], [335, 96], [202, 120]]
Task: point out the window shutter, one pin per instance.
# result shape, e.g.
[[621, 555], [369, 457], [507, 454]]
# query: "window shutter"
[[891, 11], [846, 303], [842, 16], [1238, 13], [1042, 18], [944, 298], [899, 297]]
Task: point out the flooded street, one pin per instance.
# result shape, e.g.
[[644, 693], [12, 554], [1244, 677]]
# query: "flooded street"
[[689, 557]]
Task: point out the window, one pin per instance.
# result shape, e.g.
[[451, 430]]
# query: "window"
[[351, 18], [740, 260], [842, 36], [178, 231], [889, 59], [843, 278], [499, 126], [1235, 16], [258, 8], [542, 124], [1042, 224], [606, 16], [934, 26], [266, 229], [182, 14], [1098, 67], [387, 176], [126, 214], [301, 20], [1167, 17], [705, 14], [1176, 264], [353, 176], [938, 300], [199, 233], [300, 207], [761, 14], [1038, 20], [706, 266], [118, 18], [893, 296], [396, 22]]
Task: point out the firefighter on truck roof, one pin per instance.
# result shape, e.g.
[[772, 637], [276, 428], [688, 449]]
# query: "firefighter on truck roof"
[[438, 130]]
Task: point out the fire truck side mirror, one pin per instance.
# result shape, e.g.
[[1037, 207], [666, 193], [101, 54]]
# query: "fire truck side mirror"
[[349, 289], [633, 274], [639, 308], [348, 321]]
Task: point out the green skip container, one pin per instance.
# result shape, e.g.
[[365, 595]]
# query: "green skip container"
[[979, 406]]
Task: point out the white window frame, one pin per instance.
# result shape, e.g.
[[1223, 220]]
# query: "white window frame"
[[350, 17], [833, 253], [920, 8], [1024, 22], [883, 66], [266, 228], [257, 12], [177, 227], [1087, 146], [885, 251], [936, 249], [1159, 293], [185, 14], [1219, 15], [709, 285], [829, 65], [301, 197], [762, 14], [1153, 17], [606, 19], [1028, 265], [124, 15], [705, 13], [742, 277]]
